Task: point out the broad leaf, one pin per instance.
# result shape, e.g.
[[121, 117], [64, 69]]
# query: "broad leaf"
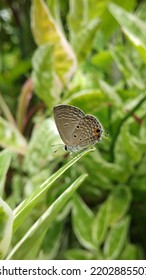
[[40, 149], [82, 13], [52, 240], [79, 254], [119, 201], [84, 40], [131, 252], [82, 31], [129, 145], [128, 69], [116, 239], [132, 26], [82, 218], [111, 94], [46, 30], [43, 74], [90, 98], [100, 8]]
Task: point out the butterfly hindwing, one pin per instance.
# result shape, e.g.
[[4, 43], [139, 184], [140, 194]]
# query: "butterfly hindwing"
[[86, 132]]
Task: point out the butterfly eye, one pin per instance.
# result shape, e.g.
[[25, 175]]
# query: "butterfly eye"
[[78, 126], [75, 135]]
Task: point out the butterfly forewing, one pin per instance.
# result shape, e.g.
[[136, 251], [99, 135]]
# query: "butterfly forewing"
[[66, 119]]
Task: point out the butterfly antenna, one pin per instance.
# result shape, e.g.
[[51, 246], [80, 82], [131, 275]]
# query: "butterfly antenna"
[[53, 145], [56, 145], [57, 150]]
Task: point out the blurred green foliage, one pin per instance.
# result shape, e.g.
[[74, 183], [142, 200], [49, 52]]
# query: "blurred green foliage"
[[90, 54]]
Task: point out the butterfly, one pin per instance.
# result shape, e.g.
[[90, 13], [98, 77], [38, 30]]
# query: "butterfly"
[[77, 130]]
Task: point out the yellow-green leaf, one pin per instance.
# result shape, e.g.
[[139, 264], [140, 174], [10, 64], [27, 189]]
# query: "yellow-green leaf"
[[44, 30]]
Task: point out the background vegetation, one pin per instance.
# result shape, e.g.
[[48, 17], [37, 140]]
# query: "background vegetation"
[[91, 54]]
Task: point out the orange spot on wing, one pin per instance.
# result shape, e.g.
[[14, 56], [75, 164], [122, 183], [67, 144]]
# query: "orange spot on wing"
[[96, 131]]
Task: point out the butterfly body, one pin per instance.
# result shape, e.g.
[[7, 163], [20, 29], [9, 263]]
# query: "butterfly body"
[[77, 130]]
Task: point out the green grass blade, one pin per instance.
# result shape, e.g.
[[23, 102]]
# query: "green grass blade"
[[27, 205], [33, 238]]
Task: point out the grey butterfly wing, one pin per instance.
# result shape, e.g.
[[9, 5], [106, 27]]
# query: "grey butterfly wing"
[[87, 132], [66, 118]]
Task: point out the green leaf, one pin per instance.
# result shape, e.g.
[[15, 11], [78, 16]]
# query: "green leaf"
[[27, 205], [137, 104], [11, 138], [129, 145], [52, 246], [127, 67], [52, 240], [102, 59], [119, 201], [101, 223], [46, 30], [55, 7], [6, 223], [76, 17], [82, 219], [94, 99], [132, 26], [141, 143], [82, 13], [100, 9], [5, 159], [111, 171], [84, 40], [39, 229], [131, 252], [88, 98], [79, 254], [111, 94], [116, 239], [43, 74], [38, 148]]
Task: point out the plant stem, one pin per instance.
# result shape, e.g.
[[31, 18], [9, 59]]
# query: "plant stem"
[[6, 110], [112, 148]]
